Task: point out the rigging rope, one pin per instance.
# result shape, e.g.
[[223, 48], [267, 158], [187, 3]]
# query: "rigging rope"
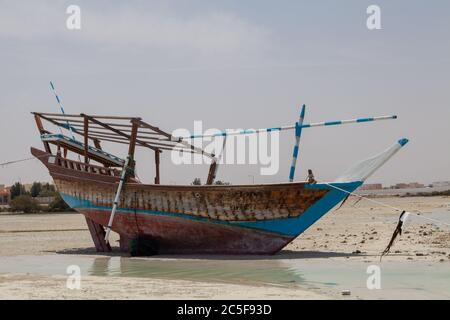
[[4, 164], [387, 205], [400, 224]]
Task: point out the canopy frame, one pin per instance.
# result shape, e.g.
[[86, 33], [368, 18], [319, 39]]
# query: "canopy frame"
[[132, 131]]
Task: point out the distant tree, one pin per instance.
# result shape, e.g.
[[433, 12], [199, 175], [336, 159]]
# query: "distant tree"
[[221, 183], [58, 204], [17, 189], [197, 182], [48, 190], [25, 204], [36, 189]]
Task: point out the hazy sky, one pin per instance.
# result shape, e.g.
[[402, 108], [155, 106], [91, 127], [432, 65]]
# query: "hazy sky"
[[237, 64]]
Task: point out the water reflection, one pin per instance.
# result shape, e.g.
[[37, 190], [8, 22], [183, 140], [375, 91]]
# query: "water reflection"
[[270, 272], [329, 276]]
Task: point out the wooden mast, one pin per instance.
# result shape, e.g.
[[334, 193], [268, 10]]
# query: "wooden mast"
[[215, 164], [211, 173], [157, 163], [86, 139], [42, 131], [132, 146], [97, 144]]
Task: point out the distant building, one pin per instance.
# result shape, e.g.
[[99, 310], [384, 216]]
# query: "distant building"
[[371, 186], [5, 195], [441, 184], [411, 185]]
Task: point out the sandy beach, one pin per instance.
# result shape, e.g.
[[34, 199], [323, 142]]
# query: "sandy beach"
[[350, 236]]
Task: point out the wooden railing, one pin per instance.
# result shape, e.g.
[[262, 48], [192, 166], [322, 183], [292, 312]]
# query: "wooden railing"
[[84, 167]]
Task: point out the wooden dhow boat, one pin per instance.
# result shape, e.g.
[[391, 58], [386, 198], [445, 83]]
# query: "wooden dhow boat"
[[206, 219]]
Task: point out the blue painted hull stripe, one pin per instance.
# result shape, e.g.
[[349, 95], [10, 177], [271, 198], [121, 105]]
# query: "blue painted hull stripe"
[[286, 227], [295, 226]]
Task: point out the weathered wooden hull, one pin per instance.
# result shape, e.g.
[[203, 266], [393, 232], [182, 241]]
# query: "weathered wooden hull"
[[186, 236], [253, 219]]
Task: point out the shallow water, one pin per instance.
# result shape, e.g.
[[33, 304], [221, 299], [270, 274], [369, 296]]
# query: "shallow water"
[[326, 273], [407, 280]]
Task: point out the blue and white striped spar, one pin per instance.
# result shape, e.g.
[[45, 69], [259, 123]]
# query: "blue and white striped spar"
[[62, 108], [283, 128], [298, 133]]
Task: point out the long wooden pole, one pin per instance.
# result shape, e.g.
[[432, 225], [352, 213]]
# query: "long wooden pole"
[[157, 164], [86, 139], [116, 199], [214, 168], [42, 131]]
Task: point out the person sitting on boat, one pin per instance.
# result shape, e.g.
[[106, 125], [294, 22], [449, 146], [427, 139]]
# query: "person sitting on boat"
[[310, 177]]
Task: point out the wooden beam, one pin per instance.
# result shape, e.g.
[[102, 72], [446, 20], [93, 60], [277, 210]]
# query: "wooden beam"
[[41, 129], [133, 138], [119, 132], [98, 236], [59, 125], [92, 156], [124, 128], [107, 134], [86, 139], [99, 147], [157, 163], [153, 128], [215, 165], [211, 173], [171, 138], [77, 116], [97, 144], [57, 114]]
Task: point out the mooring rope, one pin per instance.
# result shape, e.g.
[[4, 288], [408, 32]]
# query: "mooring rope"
[[387, 205]]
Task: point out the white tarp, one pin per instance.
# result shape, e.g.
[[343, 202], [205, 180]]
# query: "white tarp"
[[366, 168]]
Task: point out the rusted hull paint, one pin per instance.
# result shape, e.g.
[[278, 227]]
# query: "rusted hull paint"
[[174, 235]]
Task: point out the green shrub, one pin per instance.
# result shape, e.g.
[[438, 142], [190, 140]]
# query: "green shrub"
[[25, 204], [58, 204]]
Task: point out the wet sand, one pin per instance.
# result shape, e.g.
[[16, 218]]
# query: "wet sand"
[[347, 237]]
